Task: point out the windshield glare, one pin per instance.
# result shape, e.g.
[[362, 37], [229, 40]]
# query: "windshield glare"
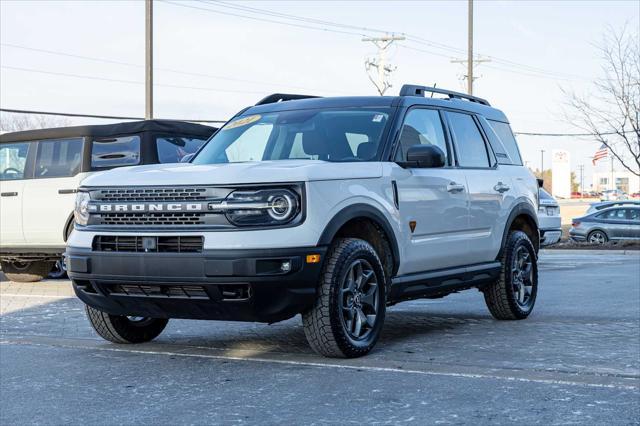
[[328, 134]]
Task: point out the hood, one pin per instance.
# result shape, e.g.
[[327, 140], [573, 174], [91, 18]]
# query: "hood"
[[233, 173]]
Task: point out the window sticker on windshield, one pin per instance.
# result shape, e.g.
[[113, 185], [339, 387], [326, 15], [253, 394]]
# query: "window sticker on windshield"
[[242, 122], [378, 118]]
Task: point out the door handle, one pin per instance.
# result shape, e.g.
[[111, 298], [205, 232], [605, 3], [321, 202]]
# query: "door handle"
[[8, 194], [455, 187], [67, 191], [501, 187]]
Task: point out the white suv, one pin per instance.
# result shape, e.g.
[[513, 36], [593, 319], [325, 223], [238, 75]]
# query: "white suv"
[[40, 171], [333, 208]]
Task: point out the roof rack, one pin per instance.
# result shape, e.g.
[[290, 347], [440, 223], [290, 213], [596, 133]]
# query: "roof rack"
[[281, 97], [413, 90]]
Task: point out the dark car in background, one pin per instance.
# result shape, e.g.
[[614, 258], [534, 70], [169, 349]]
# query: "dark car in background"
[[610, 224], [608, 204], [40, 171]]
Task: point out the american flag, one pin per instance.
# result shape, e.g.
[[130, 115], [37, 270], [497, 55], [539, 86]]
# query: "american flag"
[[601, 153]]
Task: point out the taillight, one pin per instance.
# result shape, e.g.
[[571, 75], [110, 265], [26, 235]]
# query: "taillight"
[[575, 223]]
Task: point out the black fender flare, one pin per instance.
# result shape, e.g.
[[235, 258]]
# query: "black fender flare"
[[522, 208], [362, 210], [68, 228]]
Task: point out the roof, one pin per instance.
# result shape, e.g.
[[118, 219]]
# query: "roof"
[[105, 130], [488, 112]]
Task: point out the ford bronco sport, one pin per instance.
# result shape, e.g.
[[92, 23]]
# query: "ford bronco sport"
[[333, 208], [40, 171]]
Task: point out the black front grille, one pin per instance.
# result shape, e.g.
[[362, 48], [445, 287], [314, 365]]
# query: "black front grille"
[[151, 194], [134, 243], [173, 291], [152, 219]]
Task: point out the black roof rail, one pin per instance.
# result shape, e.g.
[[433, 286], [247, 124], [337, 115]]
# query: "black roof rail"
[[281, 97], [413, 90]]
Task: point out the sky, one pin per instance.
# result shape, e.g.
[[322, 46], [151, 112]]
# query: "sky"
[[210, 62]]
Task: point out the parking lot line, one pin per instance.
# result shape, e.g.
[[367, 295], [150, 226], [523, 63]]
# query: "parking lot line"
[[541, 377]]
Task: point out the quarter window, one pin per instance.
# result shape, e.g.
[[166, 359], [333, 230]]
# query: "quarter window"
[[58, 158], [471, 149], [421, 127], [13, 159], [115, 152], [503, 130], [633, 214], [171, 149]]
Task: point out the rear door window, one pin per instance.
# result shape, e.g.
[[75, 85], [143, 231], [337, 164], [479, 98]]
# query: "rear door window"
[[504, 132], [171, 149], [13, 160], [115, 152], [471, 149], [614, 214], [58, 158]]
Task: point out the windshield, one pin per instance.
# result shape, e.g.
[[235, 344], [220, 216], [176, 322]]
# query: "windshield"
[[352, 134]]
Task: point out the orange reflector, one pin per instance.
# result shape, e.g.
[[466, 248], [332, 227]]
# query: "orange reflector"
[[313, 258]]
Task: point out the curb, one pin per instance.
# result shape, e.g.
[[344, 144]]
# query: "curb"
[[588, 251]]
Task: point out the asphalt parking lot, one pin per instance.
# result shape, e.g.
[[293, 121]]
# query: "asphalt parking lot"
[[576, 360]]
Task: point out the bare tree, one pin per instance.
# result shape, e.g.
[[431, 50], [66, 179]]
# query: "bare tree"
[[10, 122], [612, 112]]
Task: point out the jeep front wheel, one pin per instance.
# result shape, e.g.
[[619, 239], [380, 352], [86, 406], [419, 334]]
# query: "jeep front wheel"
[[513, 295], [123, 329], [349, 311], [27, 272]]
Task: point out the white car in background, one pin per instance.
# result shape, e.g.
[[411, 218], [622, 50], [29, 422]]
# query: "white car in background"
[[549, 219], [40, 171], [614, 195]]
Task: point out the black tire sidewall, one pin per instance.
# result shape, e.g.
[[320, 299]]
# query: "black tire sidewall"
[[520, 239], [359, 250]]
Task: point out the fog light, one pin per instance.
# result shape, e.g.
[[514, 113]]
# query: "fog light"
[[285, 266], [313, 258]]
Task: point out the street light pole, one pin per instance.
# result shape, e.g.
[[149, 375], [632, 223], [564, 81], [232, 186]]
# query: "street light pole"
[[542, 162], [148, 63]]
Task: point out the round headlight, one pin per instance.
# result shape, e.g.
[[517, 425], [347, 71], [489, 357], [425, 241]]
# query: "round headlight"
[[282, 206]]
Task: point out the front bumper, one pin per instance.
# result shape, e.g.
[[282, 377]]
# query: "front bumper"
[[239, 285]]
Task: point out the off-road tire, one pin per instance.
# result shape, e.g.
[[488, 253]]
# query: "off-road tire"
[[27, 272], [119, 329], [323, 325], [499, 296]]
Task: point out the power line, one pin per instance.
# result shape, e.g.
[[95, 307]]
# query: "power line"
[[570, 134], [175, 71], [409, 37], [110, 117], [306, 27], [137, 82], [114, 117]]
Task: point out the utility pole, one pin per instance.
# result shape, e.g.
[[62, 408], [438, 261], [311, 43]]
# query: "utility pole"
[[470, 61], [148, 60], [383, 70]]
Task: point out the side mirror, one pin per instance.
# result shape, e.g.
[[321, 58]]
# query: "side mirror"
[[540, 182], [424, 156], [187, 158]]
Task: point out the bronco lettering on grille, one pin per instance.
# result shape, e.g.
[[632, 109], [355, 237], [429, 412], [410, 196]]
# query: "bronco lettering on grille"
[[144, 207]]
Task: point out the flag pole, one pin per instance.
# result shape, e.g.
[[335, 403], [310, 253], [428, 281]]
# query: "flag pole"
[[613, 186]]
